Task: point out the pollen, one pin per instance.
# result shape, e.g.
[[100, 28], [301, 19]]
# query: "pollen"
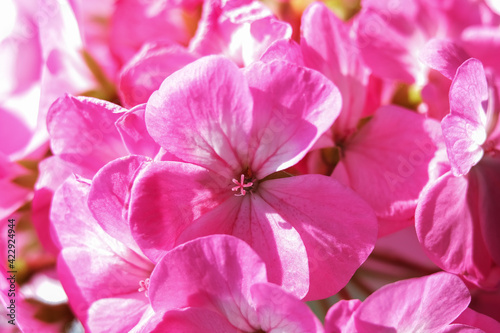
[[243, 185]]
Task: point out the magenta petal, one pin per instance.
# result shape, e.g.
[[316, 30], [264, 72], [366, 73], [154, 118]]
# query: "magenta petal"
[[202, 115], [277, 242], [83, 132], [292, 107], [387, 42], [214, 272], [388, 161], [444, 56], [334, 53], [487, 173], [479, 320], [110, 193], [339, 318], [306, 203], [194, 320], [254, 221], [278, 311], [287, 50], [464, 128], [166, 198], [144, 73], [135, 136], [136, 22], [241, 30], [425, 304], [483, 42], [447, 228], [107, 315], [458, 328], [73, 223]]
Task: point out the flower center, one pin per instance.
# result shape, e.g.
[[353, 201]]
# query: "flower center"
[[243, 185], [144, 286]]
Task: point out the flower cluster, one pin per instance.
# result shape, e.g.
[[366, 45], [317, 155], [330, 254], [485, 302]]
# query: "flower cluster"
[[246, 166]]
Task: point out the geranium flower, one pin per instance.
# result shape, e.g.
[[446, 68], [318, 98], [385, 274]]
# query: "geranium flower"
[[434, 303], [98, 271], [457, 216], [232, 132], [387, 158], [219, 284]]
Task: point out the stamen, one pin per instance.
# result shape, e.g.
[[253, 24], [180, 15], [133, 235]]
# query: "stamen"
[[144, 286], [241, 185]]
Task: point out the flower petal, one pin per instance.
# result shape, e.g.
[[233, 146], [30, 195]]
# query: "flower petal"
[[425, 304], [132, 128], [110, 193], [448, 229], [464, 129], [292, 107], [444, 56], [145, 72], [202, 115], [324, 212], [281, 312], [339, 318], [334, 53], [388, 162], [166, 198], [194, 320], [82, 131], [214, 272]]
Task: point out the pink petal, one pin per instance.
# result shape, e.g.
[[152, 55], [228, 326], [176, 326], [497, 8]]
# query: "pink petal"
[[166, 197], [292, 107], [447, 227], [107, 315], [457, 328], [132, 128], [20, 51], [92, 265], [390, 37], [110, 193], [215, 273], [388, 161], [334, 53], [136, 22], [339, 318], [278, 311], [14, 132], [306, 204], [241, 30], [479, 320], [259, 225], [483, 43], [444, 56], [425, 304], [435, 95], [193, 115], [82, 131], [464, 128], [145, 72], [194, 320], [487, 173], [283, 49]]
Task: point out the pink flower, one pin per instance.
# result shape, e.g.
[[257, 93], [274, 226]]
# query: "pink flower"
[[232, 132], [457, 216], [435, 303], [241, 30], [99, 269], [387, 158], [219, 284]]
